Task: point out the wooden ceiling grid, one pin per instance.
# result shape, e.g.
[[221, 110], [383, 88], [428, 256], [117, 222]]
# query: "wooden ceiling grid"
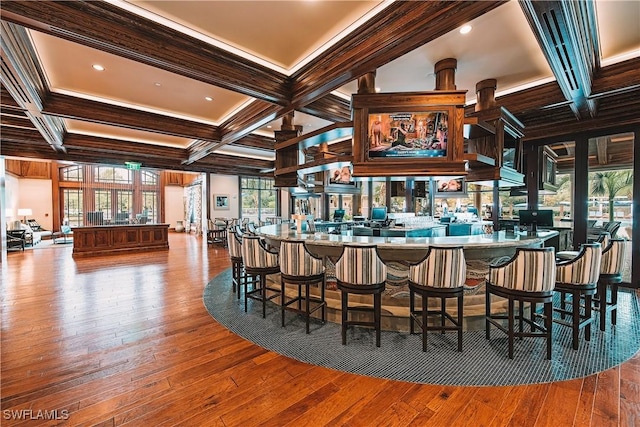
[[546, 110]]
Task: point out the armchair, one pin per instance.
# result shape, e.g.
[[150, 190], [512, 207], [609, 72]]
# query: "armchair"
[[15, 239]]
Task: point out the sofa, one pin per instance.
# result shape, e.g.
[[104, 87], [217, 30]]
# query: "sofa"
[[31, 237]]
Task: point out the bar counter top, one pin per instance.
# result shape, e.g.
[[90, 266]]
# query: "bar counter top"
[[480, 246]]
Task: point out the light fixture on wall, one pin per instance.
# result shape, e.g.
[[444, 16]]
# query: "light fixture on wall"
[[25, 212]]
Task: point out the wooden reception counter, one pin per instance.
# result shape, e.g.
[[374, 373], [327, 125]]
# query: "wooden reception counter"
[[118, 239]]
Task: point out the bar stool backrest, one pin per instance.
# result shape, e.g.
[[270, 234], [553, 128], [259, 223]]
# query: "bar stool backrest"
[[583, 269], [255, 254], [530, 270], [614, 257], [603, 239], [251, 228], [440, 268], [296, 260], [360, 265], [235, 243]]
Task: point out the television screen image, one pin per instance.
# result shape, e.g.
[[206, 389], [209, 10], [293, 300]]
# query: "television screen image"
[[408, 134], [340, 176], [450, 187], [535, 218], [379, 213]]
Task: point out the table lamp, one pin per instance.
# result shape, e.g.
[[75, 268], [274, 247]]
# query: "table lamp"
[[24, 212]]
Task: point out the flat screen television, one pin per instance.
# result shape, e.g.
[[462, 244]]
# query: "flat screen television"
[[418, 133], [379, 213], [95, 218], [451, 187], [409, 134], [536, 218], [341, 176], [338, 215]]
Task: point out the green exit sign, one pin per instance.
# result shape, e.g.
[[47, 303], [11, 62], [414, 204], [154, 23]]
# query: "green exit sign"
[[133, 165]]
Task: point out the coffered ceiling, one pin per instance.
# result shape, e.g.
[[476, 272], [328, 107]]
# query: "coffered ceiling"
[[260, 60]]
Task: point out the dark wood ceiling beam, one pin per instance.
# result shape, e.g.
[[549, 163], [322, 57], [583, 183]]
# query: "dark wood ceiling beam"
[[23, 79], [7, 101], [567, 34], [71, 107], [399, 29], [621, 77], [153, 156], [614, 113], [330, 107], [19, 121], [252, 117], [106, 27], [256, 141]]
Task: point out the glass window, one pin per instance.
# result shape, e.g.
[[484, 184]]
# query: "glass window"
[[113, 174], [149, 178], [149, 203], [119, 194], [73, 173], [259, 198], [72, 212]]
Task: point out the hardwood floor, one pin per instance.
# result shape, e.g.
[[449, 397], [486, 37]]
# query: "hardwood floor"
[[126, 340]]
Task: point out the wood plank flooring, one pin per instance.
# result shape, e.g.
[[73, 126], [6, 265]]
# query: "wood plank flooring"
[[126, 341]]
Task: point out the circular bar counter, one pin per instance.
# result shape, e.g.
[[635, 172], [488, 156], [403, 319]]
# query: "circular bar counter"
[[398, 253]]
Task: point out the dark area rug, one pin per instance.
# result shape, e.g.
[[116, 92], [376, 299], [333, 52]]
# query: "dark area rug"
[[400, 357]]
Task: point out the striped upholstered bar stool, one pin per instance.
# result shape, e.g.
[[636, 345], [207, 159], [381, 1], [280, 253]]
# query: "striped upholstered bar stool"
[[301, 268], [528, 277], [613, 259], [238, 274], [603, 238], [360, 271], [579, 278], [259, 261], [440, 274]]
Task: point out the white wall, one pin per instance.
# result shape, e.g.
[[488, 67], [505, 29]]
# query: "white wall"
[[225, 185], [34, 194], [173, 205]]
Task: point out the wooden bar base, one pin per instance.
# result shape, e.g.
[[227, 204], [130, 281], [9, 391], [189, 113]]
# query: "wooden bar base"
[[119, 239]]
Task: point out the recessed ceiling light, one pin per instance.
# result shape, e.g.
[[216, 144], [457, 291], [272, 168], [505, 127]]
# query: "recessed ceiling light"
[[268, 126], [465, 29], [98, 67], [208, 98], [157, 84]]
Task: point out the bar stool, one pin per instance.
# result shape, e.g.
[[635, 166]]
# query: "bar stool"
[[238, 274], [578, 277], [299, 267], [613, 259], [217, 232], [528, 277], [440, 274], [259, 261], [603, 239], [360, 271]]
